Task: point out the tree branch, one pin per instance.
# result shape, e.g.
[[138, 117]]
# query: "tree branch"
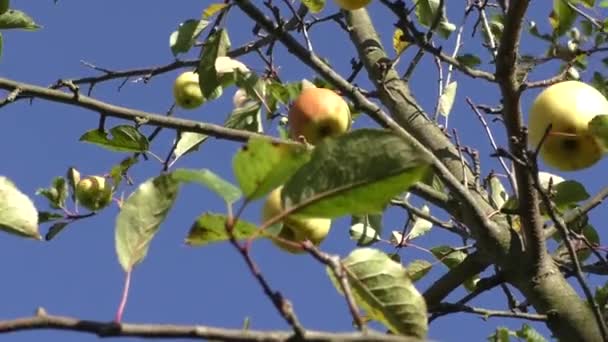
[[42, 320]]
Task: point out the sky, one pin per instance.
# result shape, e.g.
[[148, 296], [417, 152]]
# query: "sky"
[[77, 274]]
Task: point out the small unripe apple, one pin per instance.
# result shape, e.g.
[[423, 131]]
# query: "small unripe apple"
[[568, 107], [318, 113], [94, 192], [187, 91], [352, 5], [294, 229]]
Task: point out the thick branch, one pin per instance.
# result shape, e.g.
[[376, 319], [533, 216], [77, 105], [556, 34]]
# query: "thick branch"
[[193, 332]]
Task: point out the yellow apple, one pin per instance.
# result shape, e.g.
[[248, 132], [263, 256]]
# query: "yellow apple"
[[318, 113], [567, 106], [93, 192], [294, 229], [187, 91], [352, 5]]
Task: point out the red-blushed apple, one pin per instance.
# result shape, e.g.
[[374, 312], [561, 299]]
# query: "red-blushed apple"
[[318, 113]]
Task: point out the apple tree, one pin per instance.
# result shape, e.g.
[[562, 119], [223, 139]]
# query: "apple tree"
[[473, 129]]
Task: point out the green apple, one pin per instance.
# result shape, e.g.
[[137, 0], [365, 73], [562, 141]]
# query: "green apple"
[[318, 113], [94, 192], [352, 5], [187, 91], [568, 107], [294, 229]]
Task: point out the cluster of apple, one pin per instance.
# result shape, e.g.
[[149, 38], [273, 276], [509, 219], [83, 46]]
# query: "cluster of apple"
[[568, 108], [317, 113]]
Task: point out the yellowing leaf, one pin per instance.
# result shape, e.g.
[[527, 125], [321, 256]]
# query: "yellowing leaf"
[[212, 9], [399, 44]]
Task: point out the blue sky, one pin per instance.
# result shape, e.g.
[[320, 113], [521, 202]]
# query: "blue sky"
[[77, 274]]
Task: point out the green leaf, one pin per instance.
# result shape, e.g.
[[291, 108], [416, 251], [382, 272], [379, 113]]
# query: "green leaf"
[[356, 173], [47, 216], [418, 269], [124, 138], [601, 296], [501, 334], [383, 289], [569, 192], [211, 181], [498, 194], [73, 177], [217, 45], [188, 142], [366, 229], [427, 12], [55, 229], [420, 226], [18, 215], [529, 334], [562, 17], [452, 258], [210, 228], [4, 6], [262, 165], [446, 101], [314, 6], [469, 60], [140, 218], [56, 194], [119, 171], [15, 19], [598, 126], [184, 38], [246, 118]]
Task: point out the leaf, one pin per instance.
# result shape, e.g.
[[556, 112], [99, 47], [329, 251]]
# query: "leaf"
[[119, 171], [598, 126], [418, 269], [210, 228], [399, 42], [4, 6], [529, 334], [498, 194], [427, 12], [140, 218], [569, 192], [124, 138], [546, 178], [15, 19], [73, 177], [18, 215], [217, 45], [211, 181], [366, 229], [314, 6], [188, 142], [469, 60], [501, 334], [356, 173], [47, 216], [420, 225], [562, 17], [212, 9], [56, 194], [601, 296], [226, 65], [452, 258], [383, 289], [184, 38], [246, 118], [262, 165], [55, 229], [446, 101]]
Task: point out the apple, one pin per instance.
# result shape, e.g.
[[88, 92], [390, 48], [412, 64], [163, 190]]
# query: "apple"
[[294, 229], [93, 192], [187, 91], [568, 107], [352, 5], [318, 113]]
